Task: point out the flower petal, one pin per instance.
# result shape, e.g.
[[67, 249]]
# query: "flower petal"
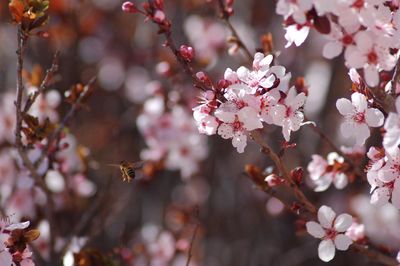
[[315, 229], [374, 117], [342, 242], [326, 250], [362, 133], [344, 106], [250, 119], [225, 131], [347, 129], [332, 49], [359, 101], [326, 216], [371, 75], [340, 181], [239, 141], [343, 222], [380, 196]]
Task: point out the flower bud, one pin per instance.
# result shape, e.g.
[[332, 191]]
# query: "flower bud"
[[129, 7], [187, 52], [159, 16], [223, 84], [274, 180]]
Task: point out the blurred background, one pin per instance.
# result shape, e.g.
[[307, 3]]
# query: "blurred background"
[[151, 220]]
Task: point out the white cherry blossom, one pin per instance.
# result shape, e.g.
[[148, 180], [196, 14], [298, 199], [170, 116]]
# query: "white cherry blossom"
[[296, 9], [288, 114], [238, 116], [325, 172], [331, 230], [358, 117]]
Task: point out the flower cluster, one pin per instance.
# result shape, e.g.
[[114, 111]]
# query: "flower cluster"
[[325, 172], [171, 136], [332, 230], [62, 174], [367, 31], [249, 98], [383, 175], [14, 243]]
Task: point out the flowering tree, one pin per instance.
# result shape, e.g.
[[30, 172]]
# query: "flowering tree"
[[62, 201]]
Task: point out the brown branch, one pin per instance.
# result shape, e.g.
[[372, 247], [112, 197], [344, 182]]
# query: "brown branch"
[[225, 16], [192, 244], [185, 64], [22, 42], [43, 86], [55, 136], [257, 137], [395, 79]]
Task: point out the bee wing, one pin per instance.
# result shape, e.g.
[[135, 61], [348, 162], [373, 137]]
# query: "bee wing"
[[138, 165]]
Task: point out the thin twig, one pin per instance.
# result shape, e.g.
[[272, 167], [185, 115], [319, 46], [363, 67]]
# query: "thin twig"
[[43, 86], [56, 134], [257, 137], [395, 79], [192, 244], [225, 16]]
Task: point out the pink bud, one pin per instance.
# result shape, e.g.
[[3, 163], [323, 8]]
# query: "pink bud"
[[274, 180], [159, 16], [187, 52], [223, 84], [204, 78], [129, 7]]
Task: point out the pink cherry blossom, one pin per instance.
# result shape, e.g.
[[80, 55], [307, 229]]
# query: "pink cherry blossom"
[[339, 39], [45, 106], [296, 9], [288, 114], [238, 116], [331, 230], [358, 117], [207, 36], [296, 34], [324, 172], [370, 53], [384, 177], [173, 136]]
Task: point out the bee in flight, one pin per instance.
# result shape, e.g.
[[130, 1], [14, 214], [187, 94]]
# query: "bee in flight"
[[128, 169]]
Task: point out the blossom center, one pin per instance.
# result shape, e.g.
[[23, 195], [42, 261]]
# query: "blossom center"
[[372, 58], [359, 118], [289, 112], [331, 233], [358, 4], [240, 104], [347, 40], [237, 125]]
